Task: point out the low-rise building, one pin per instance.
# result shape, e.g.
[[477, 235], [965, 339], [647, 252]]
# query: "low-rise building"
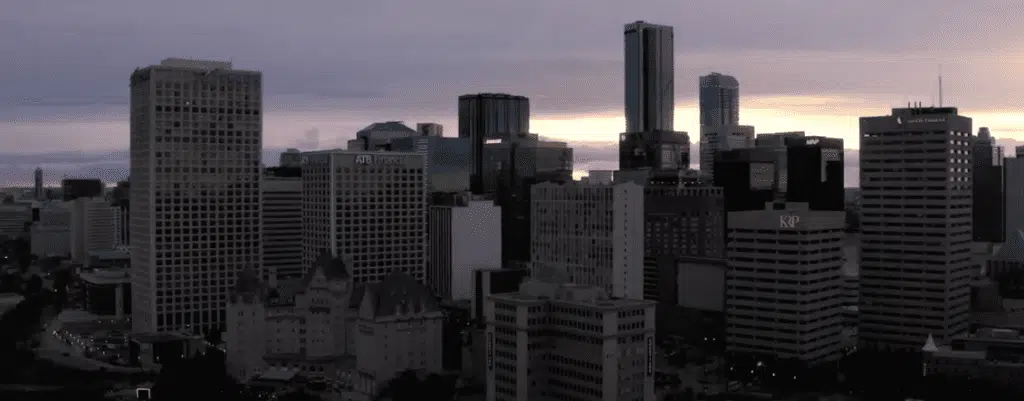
[[324, 325], [991, 354], [107, 292]]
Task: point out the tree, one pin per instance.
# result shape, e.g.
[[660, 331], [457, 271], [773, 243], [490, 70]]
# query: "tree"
[[408, 386], [203, 376]]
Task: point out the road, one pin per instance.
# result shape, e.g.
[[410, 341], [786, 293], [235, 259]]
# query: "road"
[[53, 349]]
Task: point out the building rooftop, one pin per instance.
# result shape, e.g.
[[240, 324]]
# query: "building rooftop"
[[399, 294]]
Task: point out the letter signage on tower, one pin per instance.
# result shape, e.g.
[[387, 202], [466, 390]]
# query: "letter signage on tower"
[[490, 351], [650, 356], [366, 160], [788, 221]]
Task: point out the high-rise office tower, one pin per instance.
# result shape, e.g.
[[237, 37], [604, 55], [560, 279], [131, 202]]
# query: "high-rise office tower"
[[519, 163], [593, 231], [814, 173], [367, 207], [650, 77], [196, 144], [719, 100], [91, 228], [580, 344], [785, 280], [656, 150], [915, 260], [717, 139], [1013, 170], [38, 189], [747, 177], [485, 117], [281, 197], [777, 143], [448, 165], [988, 189], [465, 235], [290, 158]]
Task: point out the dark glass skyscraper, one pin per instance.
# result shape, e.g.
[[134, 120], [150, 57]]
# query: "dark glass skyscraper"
[[989, 202], [657, 150], [719, 100], [650, 77], [490, 116], [814, 173]]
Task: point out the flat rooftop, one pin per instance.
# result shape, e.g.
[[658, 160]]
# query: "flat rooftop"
[[106, 276]]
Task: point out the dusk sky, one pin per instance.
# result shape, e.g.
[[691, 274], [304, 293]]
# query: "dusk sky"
[[333, 67]]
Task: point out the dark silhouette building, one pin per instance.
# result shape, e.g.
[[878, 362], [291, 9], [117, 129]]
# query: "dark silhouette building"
[[487, 117], [988, 178], [747, 178], [657, 150], [815, 172], [74, 188]]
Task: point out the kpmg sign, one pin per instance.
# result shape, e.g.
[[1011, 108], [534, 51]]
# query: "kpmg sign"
[[788, 221], [490, 351], [379, 159]]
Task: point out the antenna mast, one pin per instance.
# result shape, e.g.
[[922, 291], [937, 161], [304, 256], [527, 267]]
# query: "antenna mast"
[[940, 85]]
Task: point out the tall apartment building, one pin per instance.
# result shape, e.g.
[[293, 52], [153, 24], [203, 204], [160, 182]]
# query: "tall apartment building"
[[915, 261], [650, 77], [784, 286], [196, 144], [988, 184], [369, 207], [465, 235], [485, 117], [92, 227], [594, 231], [559, 341], [281, 195], [715, 139], [719, 99]]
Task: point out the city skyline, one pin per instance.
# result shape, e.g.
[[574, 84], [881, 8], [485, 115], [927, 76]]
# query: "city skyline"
[[46, 112]]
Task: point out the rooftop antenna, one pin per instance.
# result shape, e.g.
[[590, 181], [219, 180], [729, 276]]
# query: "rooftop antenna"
[[940, 85]]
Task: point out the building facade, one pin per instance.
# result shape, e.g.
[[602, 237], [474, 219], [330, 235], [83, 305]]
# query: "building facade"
[[448, 160], [107, 292], [785, 279], [987, 176], [330, 327], [1013, 172], [915, 262], [650, 77], [465, 235], [92, 227], [74, 188], [658, 150], [719, 100], [594, 231], [368, 206], [568, 342], [281, 196], [715, 139], [487, 117], [196, 144]]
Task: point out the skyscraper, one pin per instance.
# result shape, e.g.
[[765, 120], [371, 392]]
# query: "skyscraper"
[[366, 207], [715, 139], [915, 260], [987, 173], [719, 100], [593, 231], [38, 190], [650, 77], [490, 116], [196, 144], [800, 246]]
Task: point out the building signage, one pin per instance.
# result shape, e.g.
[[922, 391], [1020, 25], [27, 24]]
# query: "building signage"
[[927, 120], [788, 221], [379, 159], [315, 159], [650, 356], [813, 141], [490, 351]]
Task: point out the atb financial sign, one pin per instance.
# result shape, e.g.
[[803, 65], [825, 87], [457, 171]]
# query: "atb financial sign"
[[786, 221], [367, 160]]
